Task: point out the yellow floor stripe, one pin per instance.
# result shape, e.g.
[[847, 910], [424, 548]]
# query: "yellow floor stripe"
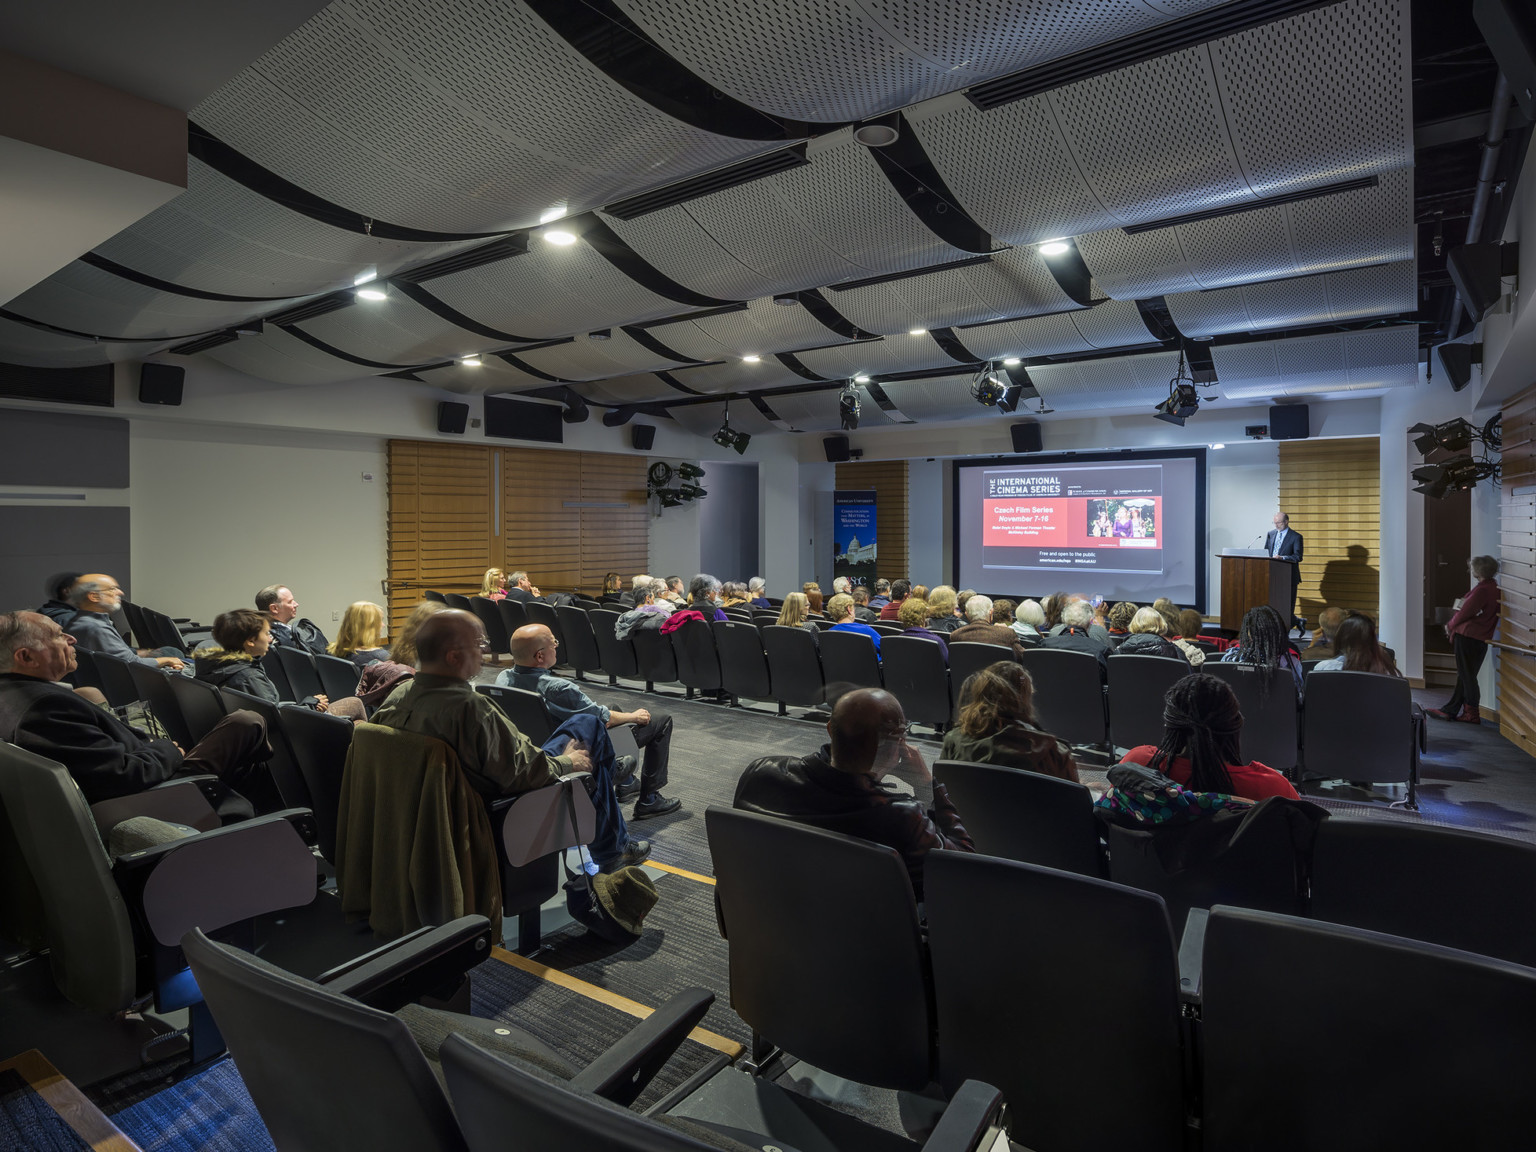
[[603, 996], [702, 879]]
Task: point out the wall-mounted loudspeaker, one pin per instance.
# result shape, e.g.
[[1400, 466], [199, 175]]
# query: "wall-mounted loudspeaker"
[[1026, 437], [1289, 422], [1457, 360], [451, 416], [1476, 270], [642, 436], [836, 449], [161, 384]]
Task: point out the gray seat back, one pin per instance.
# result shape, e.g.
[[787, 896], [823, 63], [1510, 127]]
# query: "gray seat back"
[[154, 688], [1025, 816], [299, 666], [578, 641], [1137, 685], [849, 658], [794, 666], [338, 677], [967, 657], [496, 634], [319, 743], [201, 706], [1359, 726], [1271, 713], [523, 707], [743, 664], [1069, 694], [916, 674]]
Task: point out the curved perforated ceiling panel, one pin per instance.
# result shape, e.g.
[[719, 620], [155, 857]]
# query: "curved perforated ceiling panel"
[[1114, 324], [638, 389], [763, 327], [493, 375], [1313, 365], [587, 359], [1120, 382], [1382, 290], [415, 117], [35, 348], [285, 359], [902, 353], [818, 411], [734, 376], [942, 398], [393, 331], [831, 60]]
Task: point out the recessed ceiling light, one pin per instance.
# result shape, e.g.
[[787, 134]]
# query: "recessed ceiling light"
[[470, 361], [552, 213], [861, 379], [559, 236], [786, 301], [750, 359], [1011, 361], [1054, 248], [876, 135], [1218, 445], [364, 277], [600, 334], [374, 292], [917, 331]]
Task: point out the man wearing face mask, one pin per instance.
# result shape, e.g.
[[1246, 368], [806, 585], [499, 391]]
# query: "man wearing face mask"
[[839, 788]]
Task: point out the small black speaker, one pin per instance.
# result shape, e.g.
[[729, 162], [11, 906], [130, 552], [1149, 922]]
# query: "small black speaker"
[[1289, 422], [836, 448], [1457, 360], [642, 436], [1026, 437], [161, 384], [1475, 270], [451, 417]]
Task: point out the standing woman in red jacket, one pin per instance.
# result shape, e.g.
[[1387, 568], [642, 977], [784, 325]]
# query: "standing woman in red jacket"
[[1470, 630]]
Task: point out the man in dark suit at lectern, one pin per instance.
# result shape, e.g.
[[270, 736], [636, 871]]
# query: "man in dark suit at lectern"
[[1284, 543]]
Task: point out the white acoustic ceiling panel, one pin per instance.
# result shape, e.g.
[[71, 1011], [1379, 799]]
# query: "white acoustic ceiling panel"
[[285, 359], [23, 344], [549, 292], [1203, 128], [762, 327], [86, 299], [901, 353], [705, 420], [465, 117], [1112, 324], [219, 236], [1318, 365], [393, 331], [1015, 282], [1117, 382], [942, 398], [1035, 336], [638, 389], [1372, 225], [1355, 294], [831, 60], [587, 359], [818, 411], [493, 376], [734, 376], [672, 242]]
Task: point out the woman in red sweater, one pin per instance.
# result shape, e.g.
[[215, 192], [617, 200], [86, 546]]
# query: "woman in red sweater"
[[1201, 750], [1470, 630]]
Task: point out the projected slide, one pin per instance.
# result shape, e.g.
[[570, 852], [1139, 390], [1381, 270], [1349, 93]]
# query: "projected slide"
[[1099, 519]]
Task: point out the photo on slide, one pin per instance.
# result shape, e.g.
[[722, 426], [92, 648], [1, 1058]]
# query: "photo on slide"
[[1133, 519]]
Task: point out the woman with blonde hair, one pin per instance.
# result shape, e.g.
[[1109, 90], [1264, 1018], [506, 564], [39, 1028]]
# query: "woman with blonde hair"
[[942, 603], [795, 613], [362, 627], [494, 586], [403, 651], [913, 616], [1149, 636], [996, 725]]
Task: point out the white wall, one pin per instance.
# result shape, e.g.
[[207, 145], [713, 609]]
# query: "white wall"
[[927, 522], [1242, 494]]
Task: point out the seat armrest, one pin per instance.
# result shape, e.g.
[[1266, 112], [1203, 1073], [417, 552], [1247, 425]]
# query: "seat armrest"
[[973, 1122], [1192, 955], [622, 1072], [421, 964], [180, 801]]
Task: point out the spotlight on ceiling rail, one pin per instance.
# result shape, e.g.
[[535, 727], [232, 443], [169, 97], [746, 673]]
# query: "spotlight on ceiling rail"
[[727, 438]]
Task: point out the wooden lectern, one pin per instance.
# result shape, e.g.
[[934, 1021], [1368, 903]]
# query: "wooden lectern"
[[1248, 580]]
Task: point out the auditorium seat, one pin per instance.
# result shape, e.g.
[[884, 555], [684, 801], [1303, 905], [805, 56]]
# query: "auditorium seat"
[[794, 666], [743, 663], [1271, 713], [915, 673], [887, 628], [154, 688], [1449, 886], [283, 766], [1364, 727], [278, 674], [202, 706], [1137, 685], [115, 681], [458, 600], [654, 656], [698, 664], [615, 656], [431, 595], [849, 658], [299, 666], [1069, 695], [513, 614], [337, 676], [319, 744], [578, 644], [524, 707], [1063, 992], [966, 657], [497, 638], [1025, 816]]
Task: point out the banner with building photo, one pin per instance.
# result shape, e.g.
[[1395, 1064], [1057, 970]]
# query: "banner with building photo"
[[853, 535]]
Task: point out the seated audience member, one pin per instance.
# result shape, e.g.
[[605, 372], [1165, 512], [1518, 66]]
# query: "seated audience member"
[[980, 630], [107, 757], [276, 602], [961, 599], [497, 759], [613, 589], [1002, 612], [1053, 606], [840, 611], [379, 680], [704, 597], [521, 588], [1075, 634], [757, 588], [675, 591], [816, 606], [1118, 621], [1096, 625], [920, 591], [842, 586], [1183, 634], [733, 594], [943, 609], [358, 639], [94, 597], [650, 610], [882, 595], [243, 638], [996, 725], [632, 597], [913, 617], [838, 788], [534, 654], [899, 591], [810, 586], [862, 612], [1163, 604], [1149, 636], [1358, 650], [57, 607], [1201, 746], [494, 584], [795, 612], [1028, 621], [1263, 640], [1191, 625], [1321, 648]]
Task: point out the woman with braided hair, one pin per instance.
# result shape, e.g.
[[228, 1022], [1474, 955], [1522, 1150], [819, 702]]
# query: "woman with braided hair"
[[1201, 748], [1264, 640]]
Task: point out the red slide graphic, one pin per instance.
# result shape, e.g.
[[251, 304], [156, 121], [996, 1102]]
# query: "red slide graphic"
[[1072, 522]]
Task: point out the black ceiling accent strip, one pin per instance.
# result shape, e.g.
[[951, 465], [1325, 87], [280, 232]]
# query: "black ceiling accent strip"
[[918, 182], [320, 306], [112, 266], [789, 361], [439, 307], [602, 32], [1019, 376], [1029, 316], [672, 381], [886, 404], [946, 339], [332, 350], [1254, 205], [829, 317], [1202, 369], [44, 326], [1071, 275], [889, 277], [643, 338], [87, 384], [524, 366], [835, 344], [406, 375], [926, 373], [770, 415], [1159, 321], [492, 253], [193, 347], [1128, 50], [705, 314], [731, 176], [554, 343], [219, 156], [607, 243]]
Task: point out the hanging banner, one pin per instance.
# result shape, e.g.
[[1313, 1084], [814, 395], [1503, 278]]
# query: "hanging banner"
[[853, 535]]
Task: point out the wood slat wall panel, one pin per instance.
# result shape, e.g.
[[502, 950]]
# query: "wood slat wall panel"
[[1331, 490], [1517, 573], [889, 480], [439, 521]]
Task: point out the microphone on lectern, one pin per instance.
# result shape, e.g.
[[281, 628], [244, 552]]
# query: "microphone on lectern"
[[1255, 541]]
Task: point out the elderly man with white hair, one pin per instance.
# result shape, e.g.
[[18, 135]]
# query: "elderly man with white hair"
[[1075, 635], [979, 629], [757, 590], [1028, 623], [842, 586]]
